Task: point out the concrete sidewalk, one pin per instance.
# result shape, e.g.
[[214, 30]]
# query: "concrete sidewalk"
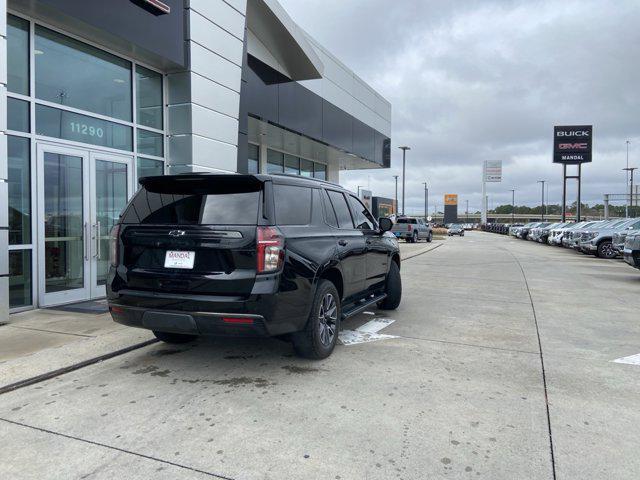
[[40, 341]]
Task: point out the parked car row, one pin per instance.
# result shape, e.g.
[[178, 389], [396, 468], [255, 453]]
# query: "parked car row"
[[501, 228], [619, 237]]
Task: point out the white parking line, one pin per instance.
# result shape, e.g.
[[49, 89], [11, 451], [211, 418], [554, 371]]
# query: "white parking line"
[[367, 332], [631, 359]]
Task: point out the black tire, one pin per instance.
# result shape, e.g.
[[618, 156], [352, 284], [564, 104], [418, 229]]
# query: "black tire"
[[606, 249], [414, 238], [175, 338], [393, 289], [430, 237], [320, 334], [462, 234]]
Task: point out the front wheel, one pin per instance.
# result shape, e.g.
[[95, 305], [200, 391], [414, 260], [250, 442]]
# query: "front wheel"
[[606, 250], [393, 289], [414, 239], [320, 334], [430, 237]]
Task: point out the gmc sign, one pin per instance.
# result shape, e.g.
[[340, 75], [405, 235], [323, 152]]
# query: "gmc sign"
[[572, 144]]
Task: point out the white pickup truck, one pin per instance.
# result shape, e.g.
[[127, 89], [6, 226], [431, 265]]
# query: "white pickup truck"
[[412, 229]]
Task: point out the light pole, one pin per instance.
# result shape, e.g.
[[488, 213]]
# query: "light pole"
[[513, 206], [542, 206], [626, 207], [359, 187], [467, 211], [426, 201], [396, 205], [404, 163], [630, 170]]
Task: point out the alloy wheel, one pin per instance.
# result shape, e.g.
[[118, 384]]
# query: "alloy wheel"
[[608, 250], [327, 319]]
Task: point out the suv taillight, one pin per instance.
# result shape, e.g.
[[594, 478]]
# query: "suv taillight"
[[114, 249], [270, 245], [408, 227]]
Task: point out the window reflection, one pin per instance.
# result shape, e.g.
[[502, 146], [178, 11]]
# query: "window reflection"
[[72, 73], [17, 55], [149, 97], [19, 190]]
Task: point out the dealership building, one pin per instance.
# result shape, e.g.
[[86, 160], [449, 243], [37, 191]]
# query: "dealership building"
[[94, 95]]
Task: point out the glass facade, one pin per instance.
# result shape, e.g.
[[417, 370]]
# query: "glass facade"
[[278, 162], [95, 100], [18, 115], [148, 168], [254, 158], [72, 73], [149, 97], [20, 278], [19, 186], [17, 55]]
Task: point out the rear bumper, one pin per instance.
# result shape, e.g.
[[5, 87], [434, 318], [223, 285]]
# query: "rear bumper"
[[256, 315], [192, 323]]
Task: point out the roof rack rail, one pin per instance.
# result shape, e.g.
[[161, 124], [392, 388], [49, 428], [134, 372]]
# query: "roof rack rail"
[[293, 175]]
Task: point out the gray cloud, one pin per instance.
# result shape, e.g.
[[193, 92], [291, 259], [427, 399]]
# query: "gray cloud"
[[472, 81]]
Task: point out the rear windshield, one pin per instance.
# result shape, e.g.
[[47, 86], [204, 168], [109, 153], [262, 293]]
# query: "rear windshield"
[[178, 201], [407, 220]]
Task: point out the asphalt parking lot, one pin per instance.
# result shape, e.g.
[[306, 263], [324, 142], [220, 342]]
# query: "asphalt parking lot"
[[451, 385]]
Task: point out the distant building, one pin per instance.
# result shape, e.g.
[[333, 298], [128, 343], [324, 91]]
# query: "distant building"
[[383, 207]]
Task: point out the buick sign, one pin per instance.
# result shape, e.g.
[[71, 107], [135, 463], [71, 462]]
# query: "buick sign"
[[572, 144]]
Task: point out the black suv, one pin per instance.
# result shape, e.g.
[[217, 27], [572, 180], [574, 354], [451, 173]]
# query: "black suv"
[[266, 255]]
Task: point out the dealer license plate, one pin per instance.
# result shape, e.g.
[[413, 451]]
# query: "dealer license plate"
[[179, 259]]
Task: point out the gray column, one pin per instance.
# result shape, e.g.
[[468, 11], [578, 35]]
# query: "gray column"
[[4, 198], [606, 206], [203, 101]]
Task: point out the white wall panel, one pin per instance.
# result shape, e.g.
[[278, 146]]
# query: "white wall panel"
[[240, 5], [215, 67], [214, 96], [192, 118], [3, 60], [3, 20], [195, 150], [222, 14], [214, 38]]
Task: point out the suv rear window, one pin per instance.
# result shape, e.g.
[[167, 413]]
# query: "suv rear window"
[[195, 201], [407, 220], [293, 204]]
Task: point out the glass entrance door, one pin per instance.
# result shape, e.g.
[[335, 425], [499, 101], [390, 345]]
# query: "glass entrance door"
[[111, 188], [80, 195]]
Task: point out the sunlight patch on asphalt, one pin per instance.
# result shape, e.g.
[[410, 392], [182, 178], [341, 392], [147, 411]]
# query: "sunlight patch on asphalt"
[[631, 359], [367, 332]]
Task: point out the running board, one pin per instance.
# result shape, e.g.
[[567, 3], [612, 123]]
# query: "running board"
[[362, 305]]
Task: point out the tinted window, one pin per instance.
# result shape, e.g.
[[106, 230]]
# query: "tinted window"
[[293, 204], [274, 162], [342, 210], [330, 215], [406, 220], [363, 222], [229, 205]]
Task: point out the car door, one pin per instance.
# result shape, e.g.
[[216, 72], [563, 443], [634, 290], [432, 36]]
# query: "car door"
[[377, 254], [351, 245]]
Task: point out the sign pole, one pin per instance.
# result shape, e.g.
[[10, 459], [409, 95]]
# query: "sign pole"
[[579, 191], [564, 193], [483, 217]]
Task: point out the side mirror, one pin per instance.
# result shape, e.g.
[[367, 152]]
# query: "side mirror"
[[385, 224]]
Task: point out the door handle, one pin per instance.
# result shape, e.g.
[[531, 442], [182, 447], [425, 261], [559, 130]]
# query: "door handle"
[[97, 255], [342, 243], [86, 237]]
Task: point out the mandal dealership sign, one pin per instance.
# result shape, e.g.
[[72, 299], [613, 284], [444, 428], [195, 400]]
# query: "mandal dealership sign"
[[572, 144]]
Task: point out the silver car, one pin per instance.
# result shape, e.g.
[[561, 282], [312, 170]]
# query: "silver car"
[[599, 240]]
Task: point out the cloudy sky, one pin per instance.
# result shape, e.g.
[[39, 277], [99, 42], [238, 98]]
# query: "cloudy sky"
[[487, 80]]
